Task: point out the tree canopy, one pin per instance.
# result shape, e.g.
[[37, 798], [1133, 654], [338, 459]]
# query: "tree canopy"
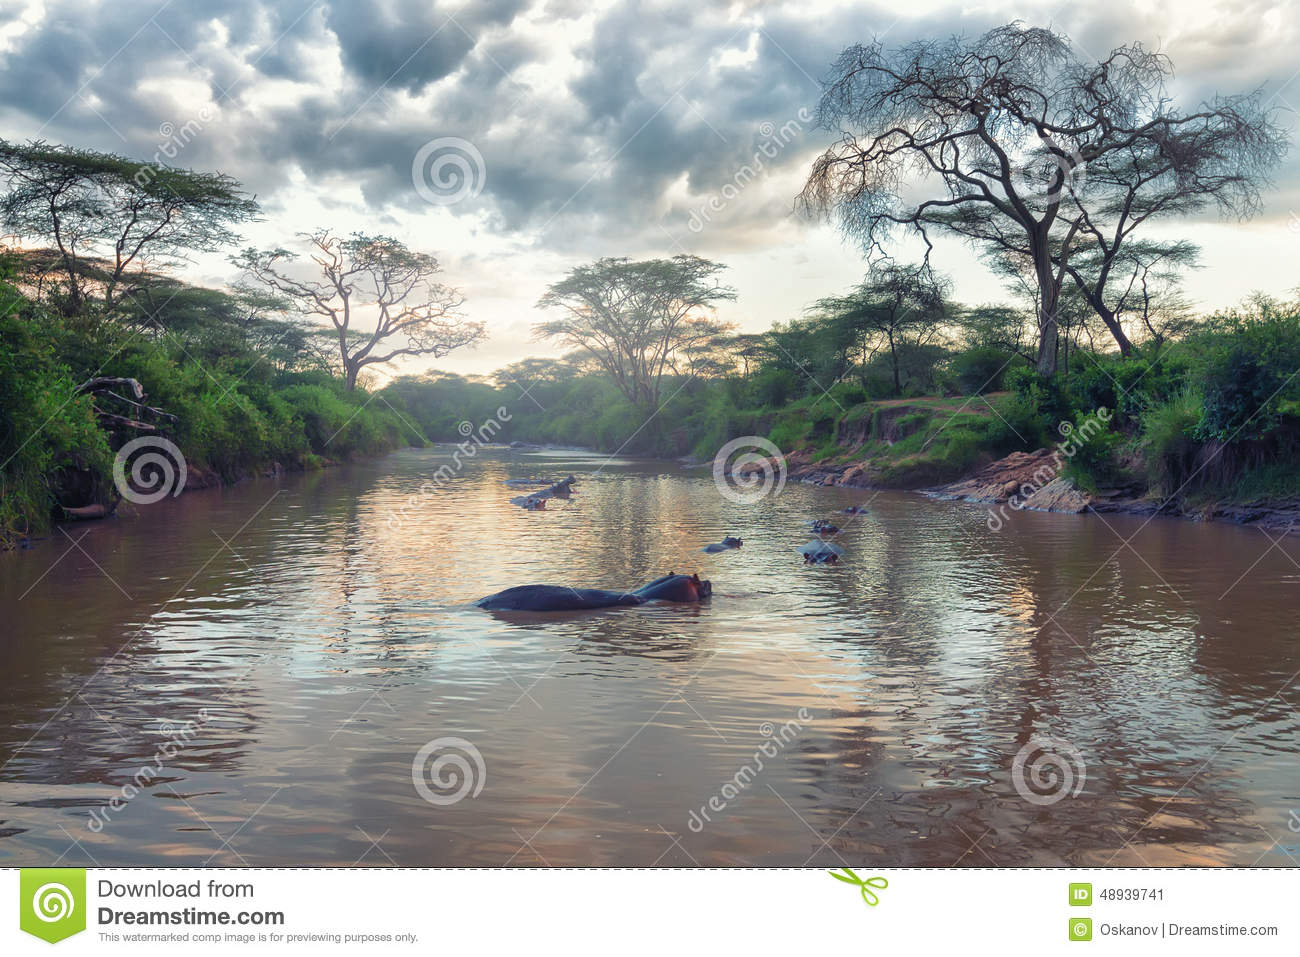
[[895, 306], [1021, 146], [112, 220], [637, 319]]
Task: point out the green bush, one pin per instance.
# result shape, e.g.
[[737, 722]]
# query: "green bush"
[[44, 429], [1247, 374], [979, 370], [1168, 443]]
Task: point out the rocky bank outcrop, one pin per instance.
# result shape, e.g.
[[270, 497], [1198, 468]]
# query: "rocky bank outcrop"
[[1033, 481]]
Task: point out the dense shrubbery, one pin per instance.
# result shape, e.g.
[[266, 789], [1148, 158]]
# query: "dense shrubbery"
[[42, 426], [1197, 418], [234, 415], [978, 370]]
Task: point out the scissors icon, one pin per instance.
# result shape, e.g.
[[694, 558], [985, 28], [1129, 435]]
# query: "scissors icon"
[[868, 894]]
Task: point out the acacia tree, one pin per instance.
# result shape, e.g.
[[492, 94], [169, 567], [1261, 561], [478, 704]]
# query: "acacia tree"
[[1137, 279], [895, 305], [1022, 147], [382, 298], [111, 221], [636, 318]]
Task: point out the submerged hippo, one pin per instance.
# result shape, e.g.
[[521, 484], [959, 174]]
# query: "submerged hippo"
[[671, 587], [824, 526], [818, 552], [727, 543]]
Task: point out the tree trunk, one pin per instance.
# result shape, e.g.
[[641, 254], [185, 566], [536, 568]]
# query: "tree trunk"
[[1116, 330], [893, 358], [1047, 337], [1048, 331], [350, 377]]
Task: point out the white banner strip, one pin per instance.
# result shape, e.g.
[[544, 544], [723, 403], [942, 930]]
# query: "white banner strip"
[[652, 912]]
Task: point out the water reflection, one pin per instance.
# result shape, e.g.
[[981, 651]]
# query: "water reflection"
[[317, 631]]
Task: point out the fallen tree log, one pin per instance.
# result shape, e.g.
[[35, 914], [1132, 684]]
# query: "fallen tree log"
[[85, 513], [537, 500], [101, 383], [110, 418], [102, 387]]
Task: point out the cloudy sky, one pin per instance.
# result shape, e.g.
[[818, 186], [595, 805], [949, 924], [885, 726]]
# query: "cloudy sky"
[[585, 128]]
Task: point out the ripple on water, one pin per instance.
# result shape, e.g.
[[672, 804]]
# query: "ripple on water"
[[878, 704]]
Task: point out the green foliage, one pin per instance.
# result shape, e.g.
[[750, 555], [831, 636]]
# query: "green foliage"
[[44, 429], [1167, 442], [235, 416], [1248, 373], [1051, 400], [979, 370]]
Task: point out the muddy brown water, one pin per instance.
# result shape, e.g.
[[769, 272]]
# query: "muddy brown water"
[[249, 676]]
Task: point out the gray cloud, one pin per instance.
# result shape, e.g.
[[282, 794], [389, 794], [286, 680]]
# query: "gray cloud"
[[598, 127]]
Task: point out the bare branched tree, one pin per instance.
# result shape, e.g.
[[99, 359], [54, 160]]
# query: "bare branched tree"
[[1028, 150], [375, 281], [636, 319]]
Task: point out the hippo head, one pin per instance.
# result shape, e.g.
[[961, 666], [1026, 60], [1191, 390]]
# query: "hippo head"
[[732, 542], [703, 587]]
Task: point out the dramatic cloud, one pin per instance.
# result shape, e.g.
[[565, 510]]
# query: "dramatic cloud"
[[625, 127]]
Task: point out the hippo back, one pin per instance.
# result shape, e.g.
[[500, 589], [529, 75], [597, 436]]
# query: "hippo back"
[[676, 588], [555, 598]]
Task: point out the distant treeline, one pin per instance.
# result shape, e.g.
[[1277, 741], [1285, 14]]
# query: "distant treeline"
[[277, 369], [1202, 407]]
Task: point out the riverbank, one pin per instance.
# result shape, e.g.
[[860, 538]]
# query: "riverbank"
[[96, 408], [948, 449]]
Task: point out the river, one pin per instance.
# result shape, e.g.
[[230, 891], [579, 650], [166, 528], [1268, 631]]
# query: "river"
[[248, 676]]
